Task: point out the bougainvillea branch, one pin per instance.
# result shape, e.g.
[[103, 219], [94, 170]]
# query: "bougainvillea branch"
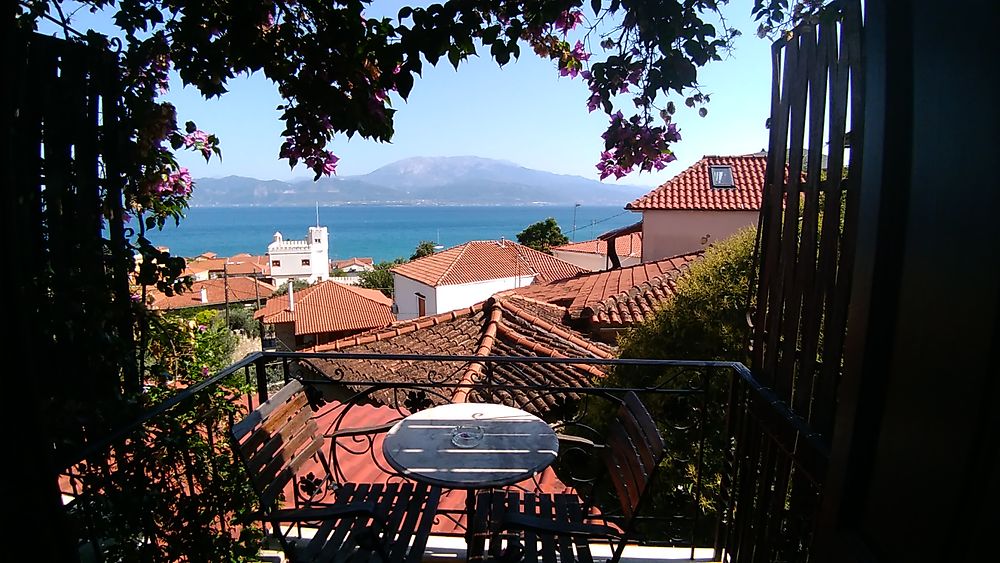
[[338, 69]]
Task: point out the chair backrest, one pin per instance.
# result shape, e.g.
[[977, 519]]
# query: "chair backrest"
[[276, 439], [635, 449]]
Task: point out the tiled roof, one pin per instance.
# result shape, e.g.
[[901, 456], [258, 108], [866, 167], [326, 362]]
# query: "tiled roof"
[[692, 189], [330, 307], [627, 246], [353, 262], [617, 297], [239, 288], [484, 260], [237, 265], [502, 326]]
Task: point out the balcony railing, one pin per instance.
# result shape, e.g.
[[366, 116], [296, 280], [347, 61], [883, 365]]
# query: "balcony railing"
[[692, 505]]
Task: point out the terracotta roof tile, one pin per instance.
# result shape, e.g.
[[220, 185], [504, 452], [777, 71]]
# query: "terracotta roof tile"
[[348, 262], [692, 189], [237, 265], [622, 296], [239, 288], [329, 306], [626, 246], [499, 326], [478, 261]]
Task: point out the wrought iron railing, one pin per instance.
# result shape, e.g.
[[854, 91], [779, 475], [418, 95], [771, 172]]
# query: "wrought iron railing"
[[690, 400]]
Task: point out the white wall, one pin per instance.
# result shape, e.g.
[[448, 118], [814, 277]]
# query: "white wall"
[[291, 253], [448, 297], [404, 295], [319, 247], [669, 233], [591, 261], [451, 297]]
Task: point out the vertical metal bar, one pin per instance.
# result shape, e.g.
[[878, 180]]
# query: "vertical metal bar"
[[702, 422], [723, 519], [246, 381], [260, 369]]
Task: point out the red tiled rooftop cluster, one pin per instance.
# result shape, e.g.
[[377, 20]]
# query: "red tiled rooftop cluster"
[[237, 288], [620, 296]]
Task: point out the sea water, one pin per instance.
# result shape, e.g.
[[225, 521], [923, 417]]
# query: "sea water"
[[378, 232]]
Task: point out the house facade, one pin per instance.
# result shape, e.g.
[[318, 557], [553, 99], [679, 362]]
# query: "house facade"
[[470, 273], [324, 312], [707, 202], [307, 259]]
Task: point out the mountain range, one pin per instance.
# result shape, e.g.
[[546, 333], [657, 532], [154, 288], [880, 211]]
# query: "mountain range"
[[453, 180]]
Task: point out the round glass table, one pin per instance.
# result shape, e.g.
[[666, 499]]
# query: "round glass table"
[[470, 446]]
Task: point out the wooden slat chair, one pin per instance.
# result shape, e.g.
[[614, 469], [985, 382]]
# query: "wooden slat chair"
[[511, 526], [374, 522]]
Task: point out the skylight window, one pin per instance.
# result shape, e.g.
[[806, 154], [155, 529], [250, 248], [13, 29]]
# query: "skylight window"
[[721, 176]]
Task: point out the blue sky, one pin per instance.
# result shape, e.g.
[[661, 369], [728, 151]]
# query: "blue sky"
[[524, 112]]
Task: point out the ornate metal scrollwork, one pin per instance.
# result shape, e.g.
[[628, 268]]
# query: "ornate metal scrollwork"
[[338, 374], [417, 401]]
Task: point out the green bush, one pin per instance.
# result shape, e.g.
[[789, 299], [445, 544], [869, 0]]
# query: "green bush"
[[241, 319], [705, 320]]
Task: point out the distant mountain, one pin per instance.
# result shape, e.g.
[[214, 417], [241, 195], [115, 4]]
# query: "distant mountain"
[[453, 180]]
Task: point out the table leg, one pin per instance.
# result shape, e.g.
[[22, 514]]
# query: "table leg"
[[470, 509]]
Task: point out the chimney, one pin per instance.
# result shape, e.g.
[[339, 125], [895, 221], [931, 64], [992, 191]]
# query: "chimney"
[[291, 296], [204, 295]]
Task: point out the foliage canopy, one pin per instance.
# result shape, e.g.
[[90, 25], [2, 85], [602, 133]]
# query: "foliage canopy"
[[425, 248], [381, 277], [542, 236]]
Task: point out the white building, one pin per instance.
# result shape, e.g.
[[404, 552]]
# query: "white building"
[[307, 260], [470, 273]]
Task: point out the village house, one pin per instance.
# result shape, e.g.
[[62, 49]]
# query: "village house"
[[470, 273], [214, 293], [324, 312], [349, 271], [307, 259], [209, 265], [593, 255], [705, 203]]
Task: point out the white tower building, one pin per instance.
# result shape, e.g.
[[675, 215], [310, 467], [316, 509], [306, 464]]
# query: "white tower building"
[[307, 260]]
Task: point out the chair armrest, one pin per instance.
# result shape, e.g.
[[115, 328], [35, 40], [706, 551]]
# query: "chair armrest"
[[323, 513], [523, 521], [580, 441]]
